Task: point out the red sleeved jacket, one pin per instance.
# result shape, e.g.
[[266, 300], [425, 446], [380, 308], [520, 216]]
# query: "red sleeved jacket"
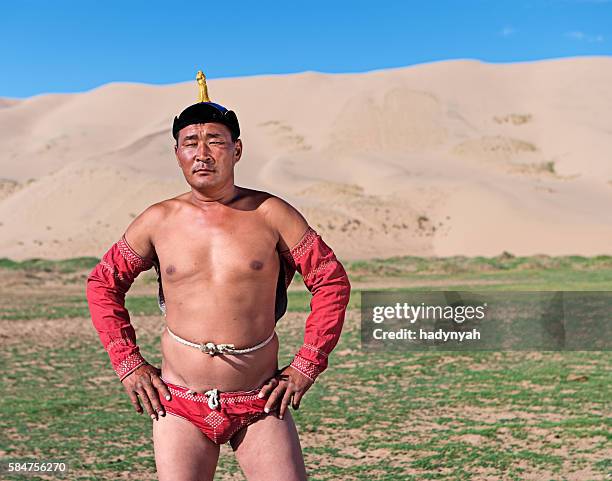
[[106, 287], [326, 279]]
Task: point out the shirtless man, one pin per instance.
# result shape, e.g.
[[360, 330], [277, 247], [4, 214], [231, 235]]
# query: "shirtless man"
[[225, 256]]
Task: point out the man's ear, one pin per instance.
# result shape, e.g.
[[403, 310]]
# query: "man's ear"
[[237, 150]]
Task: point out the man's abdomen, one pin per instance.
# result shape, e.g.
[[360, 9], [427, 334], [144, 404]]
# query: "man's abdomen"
[[199, 371]]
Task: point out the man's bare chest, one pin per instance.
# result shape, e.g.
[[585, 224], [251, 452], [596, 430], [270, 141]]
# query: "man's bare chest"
[[220, 247]]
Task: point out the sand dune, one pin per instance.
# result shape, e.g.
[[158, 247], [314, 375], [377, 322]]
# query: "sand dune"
[[456, 157]]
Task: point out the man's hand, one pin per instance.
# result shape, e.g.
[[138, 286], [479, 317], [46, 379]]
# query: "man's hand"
[[145, 383], [288, 383]]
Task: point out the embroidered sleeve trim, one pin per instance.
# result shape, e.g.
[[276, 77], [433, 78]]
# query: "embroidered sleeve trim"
[[318, 269], [129, 364], [304, 244], [307, 368], [132, 256]]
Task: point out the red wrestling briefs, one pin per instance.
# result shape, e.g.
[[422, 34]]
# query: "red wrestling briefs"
[[219, 415], [106, 287], [326, 279]]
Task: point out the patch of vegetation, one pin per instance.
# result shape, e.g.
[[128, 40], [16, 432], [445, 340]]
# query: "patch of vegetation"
[[504, 263], [64, 266], [66, 307], [389, 416], [384, 415]]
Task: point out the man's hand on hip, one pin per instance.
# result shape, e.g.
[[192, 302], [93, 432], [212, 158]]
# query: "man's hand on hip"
[[145, 383], [287, 384]]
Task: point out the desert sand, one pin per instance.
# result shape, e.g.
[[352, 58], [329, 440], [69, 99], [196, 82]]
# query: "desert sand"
[[447, 158]]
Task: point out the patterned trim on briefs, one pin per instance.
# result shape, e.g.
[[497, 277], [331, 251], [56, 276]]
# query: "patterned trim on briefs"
[[132, 256], [223, 397]]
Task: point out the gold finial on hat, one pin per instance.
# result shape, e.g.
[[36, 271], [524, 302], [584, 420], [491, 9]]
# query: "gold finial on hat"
[[201, 79]]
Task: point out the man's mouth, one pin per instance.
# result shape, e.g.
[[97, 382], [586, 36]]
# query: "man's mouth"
[[203, 170]]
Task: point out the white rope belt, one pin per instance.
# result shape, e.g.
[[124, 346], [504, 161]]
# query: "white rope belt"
[[212, 348]]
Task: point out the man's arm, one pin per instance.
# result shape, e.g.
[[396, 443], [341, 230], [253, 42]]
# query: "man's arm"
[[106, 288], [324, 276], [326, 279], [107, 285]]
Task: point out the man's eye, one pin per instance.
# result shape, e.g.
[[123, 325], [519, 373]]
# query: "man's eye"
[[216, 142], [190, 144]]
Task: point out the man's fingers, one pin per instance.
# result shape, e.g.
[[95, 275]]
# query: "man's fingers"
[[276, 395], [297, 397], [161, 387], [268, 388], [285, 401], [134, 401], [144, 399], [154, 399]]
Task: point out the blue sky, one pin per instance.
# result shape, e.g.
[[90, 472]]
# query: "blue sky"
[[69, 46]]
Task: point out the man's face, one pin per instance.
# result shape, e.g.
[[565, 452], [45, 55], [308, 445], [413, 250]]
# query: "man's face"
[[206, 154]]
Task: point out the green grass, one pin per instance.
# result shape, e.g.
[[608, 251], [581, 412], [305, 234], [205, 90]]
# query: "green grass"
[[505, 272], [501, 272], [59, 307], [371, 416], [64, 266], [403, 265], [416, 410]]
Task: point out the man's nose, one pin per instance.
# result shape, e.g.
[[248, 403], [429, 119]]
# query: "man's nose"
[[202, 152]]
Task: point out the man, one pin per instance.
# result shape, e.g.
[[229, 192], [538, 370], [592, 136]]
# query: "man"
[[225, 256]]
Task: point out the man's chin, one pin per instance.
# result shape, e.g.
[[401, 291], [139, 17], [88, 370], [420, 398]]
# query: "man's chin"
[[202, 182]]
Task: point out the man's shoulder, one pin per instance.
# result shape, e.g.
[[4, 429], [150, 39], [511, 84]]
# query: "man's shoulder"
[[153, 215], [160, 210], [274, 206], [284, 218], [141, 233], [264, 202]]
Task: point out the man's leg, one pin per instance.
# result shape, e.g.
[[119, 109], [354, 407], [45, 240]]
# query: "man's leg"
[[182, 451], [269, 449]]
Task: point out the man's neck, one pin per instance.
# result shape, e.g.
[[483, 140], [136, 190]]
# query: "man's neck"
[[224, 196]]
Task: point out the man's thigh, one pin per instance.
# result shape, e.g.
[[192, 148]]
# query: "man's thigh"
[[182, 451], [269, 449]]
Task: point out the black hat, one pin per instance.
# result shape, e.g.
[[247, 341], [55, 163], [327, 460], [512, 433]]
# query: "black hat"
[[206, 111]]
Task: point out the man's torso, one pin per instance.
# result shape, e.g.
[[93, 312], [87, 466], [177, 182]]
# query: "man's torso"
[[219, 269]]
